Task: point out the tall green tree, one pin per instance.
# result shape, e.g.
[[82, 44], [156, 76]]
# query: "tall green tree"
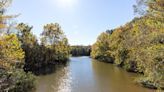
[[25, 35], [29, 44], [54, 38]]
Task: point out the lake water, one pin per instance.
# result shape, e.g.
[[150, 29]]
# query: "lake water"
[[83, 74]]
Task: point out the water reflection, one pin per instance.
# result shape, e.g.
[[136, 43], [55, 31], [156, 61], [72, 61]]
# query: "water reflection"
[[110, 78], [64, 81], [60, 81], [83, 74]]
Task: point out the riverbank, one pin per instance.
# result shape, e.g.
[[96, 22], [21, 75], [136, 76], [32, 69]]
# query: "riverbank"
[[135, 49]]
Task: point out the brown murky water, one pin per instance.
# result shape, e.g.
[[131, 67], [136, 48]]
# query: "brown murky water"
[[84, 74]]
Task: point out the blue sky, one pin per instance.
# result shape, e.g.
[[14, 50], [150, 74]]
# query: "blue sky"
[[81, 20]]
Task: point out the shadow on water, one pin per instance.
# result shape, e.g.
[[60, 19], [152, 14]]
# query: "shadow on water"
[[49, 69], [59, 81], [110, 78]]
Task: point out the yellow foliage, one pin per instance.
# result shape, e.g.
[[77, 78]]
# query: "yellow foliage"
[[11, 51]]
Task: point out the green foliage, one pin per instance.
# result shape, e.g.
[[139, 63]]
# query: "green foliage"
[[80, 50], [22, 82], [16, 81], [53, 37], [54, 48], [138, 46], [52, 34], [25, 35], [101, 47], [12, 77]]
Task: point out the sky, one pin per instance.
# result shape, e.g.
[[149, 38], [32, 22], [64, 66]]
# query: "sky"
[[81, 20]]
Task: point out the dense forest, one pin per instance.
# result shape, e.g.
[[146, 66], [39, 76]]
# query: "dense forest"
[[137, 46], [80, 50], [21, 54]]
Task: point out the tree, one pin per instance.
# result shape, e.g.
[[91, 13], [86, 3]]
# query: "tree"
[[4, 26], [10, 52], [54, 47], [8, 41], [138, 46], [54, 38], [29, 44], [101, 47], [150, 7], [12, 76], [25, 35], [52, 34]]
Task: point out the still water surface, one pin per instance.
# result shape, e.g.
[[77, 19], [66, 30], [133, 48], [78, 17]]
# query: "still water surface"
[[84, 74]]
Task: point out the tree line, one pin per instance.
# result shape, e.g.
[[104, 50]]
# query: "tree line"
[[80, 50], [137, 46]]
